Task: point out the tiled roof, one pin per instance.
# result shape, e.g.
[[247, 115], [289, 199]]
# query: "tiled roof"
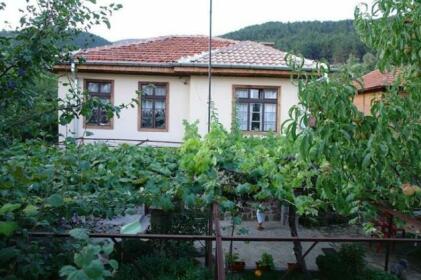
[[376, 80], [155, 50], [189, 51], [245, 53]]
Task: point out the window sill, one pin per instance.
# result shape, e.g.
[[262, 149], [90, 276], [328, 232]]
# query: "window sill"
[[247, 132], [153, 129], [91, 126]]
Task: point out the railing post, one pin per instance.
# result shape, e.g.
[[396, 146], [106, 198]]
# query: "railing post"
[[208, 247], [389, 235], [220, 272]]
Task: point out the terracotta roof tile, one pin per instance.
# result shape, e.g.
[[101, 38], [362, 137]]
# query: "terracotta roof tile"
[[188, 50], [376, 80], [246, 53], [156, 50]]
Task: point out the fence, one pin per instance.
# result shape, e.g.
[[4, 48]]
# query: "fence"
[[218, 238]]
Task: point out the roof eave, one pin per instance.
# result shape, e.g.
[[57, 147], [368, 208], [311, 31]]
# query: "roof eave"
[[185, 64]]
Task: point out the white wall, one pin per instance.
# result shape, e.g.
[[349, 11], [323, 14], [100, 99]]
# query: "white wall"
[[222, 94], [188, 98]]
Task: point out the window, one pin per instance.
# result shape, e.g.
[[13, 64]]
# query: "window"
[[153, 106], [103, 90], [256, 108]]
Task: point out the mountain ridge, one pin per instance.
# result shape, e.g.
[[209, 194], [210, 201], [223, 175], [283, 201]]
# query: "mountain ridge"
[[334, 41]]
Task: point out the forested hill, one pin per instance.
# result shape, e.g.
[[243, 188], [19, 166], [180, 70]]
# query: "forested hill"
[[332, 40], [82, 40]]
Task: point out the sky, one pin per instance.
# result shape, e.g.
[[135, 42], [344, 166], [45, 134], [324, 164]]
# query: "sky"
[[150, 18]]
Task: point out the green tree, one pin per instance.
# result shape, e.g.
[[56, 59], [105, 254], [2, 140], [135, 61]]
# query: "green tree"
[[42, 40], [367, 161]]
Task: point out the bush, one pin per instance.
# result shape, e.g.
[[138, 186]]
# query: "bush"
[[159, 268], [377, 274], [348, 264]]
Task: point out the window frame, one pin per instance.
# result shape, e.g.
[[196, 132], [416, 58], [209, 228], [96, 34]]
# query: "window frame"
[[262, 101], [167, 108], [85, 88]]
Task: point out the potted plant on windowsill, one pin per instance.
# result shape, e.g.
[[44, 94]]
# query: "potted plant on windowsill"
[[234, 263], [265, 263]]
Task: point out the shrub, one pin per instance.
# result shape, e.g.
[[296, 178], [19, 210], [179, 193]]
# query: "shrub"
[[348, 264], [156, 267], [266, 260], [377, 274]]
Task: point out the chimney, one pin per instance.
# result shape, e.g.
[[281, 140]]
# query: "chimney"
[[269, 44]]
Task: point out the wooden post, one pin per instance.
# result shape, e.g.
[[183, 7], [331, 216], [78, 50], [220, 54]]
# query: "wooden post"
[[208, 247], [389, 235], [220, 273]]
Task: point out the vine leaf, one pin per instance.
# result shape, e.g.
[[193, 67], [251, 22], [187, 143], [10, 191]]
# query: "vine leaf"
[[7, 228], [79, 233], [132, 228], [55, 200], [9, 207]]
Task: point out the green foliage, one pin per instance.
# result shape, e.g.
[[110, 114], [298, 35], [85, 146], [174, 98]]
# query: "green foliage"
[[334, 41], [28, 103], [156, 267], [91, 263], [365, 160], [348, 264], [266, 260], [42, 186], [393, 29], [80, 40], [232, 258]]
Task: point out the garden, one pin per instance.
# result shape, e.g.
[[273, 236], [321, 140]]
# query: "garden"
[[331, 158]]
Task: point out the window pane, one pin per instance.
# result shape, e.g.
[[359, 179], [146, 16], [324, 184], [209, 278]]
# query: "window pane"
[[270, 94], [242, 93], [105, 88], [255, 116], [147, 90], [147, 104], [270, 117], [159, 114], [147, 118], [255, 126], [103, 118], [254, 93], [242, 113], [93, 87], [94, 118], [160, 91]]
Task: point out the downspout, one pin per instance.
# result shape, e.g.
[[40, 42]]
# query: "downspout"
[[75, 86], [210, 66]]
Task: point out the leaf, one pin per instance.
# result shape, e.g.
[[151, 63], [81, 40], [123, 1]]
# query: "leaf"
[[113, 264], [78, 275], [108, 248], [366, 160], [8, 228], [79, 233], [55, 200], [9, 207], [132, 228], [95, 269], [30, 210], [6, 254], [67, 270]]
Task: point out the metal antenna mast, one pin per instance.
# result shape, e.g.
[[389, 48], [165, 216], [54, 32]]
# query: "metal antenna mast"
[[210, 66]]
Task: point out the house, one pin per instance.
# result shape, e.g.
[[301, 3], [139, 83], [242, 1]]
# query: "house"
[[373, 85], [250, 80]]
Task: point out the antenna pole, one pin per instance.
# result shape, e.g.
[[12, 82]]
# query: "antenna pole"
[[210, 66]]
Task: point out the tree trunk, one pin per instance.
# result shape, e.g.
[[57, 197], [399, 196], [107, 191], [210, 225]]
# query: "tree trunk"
[[298, 249]]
